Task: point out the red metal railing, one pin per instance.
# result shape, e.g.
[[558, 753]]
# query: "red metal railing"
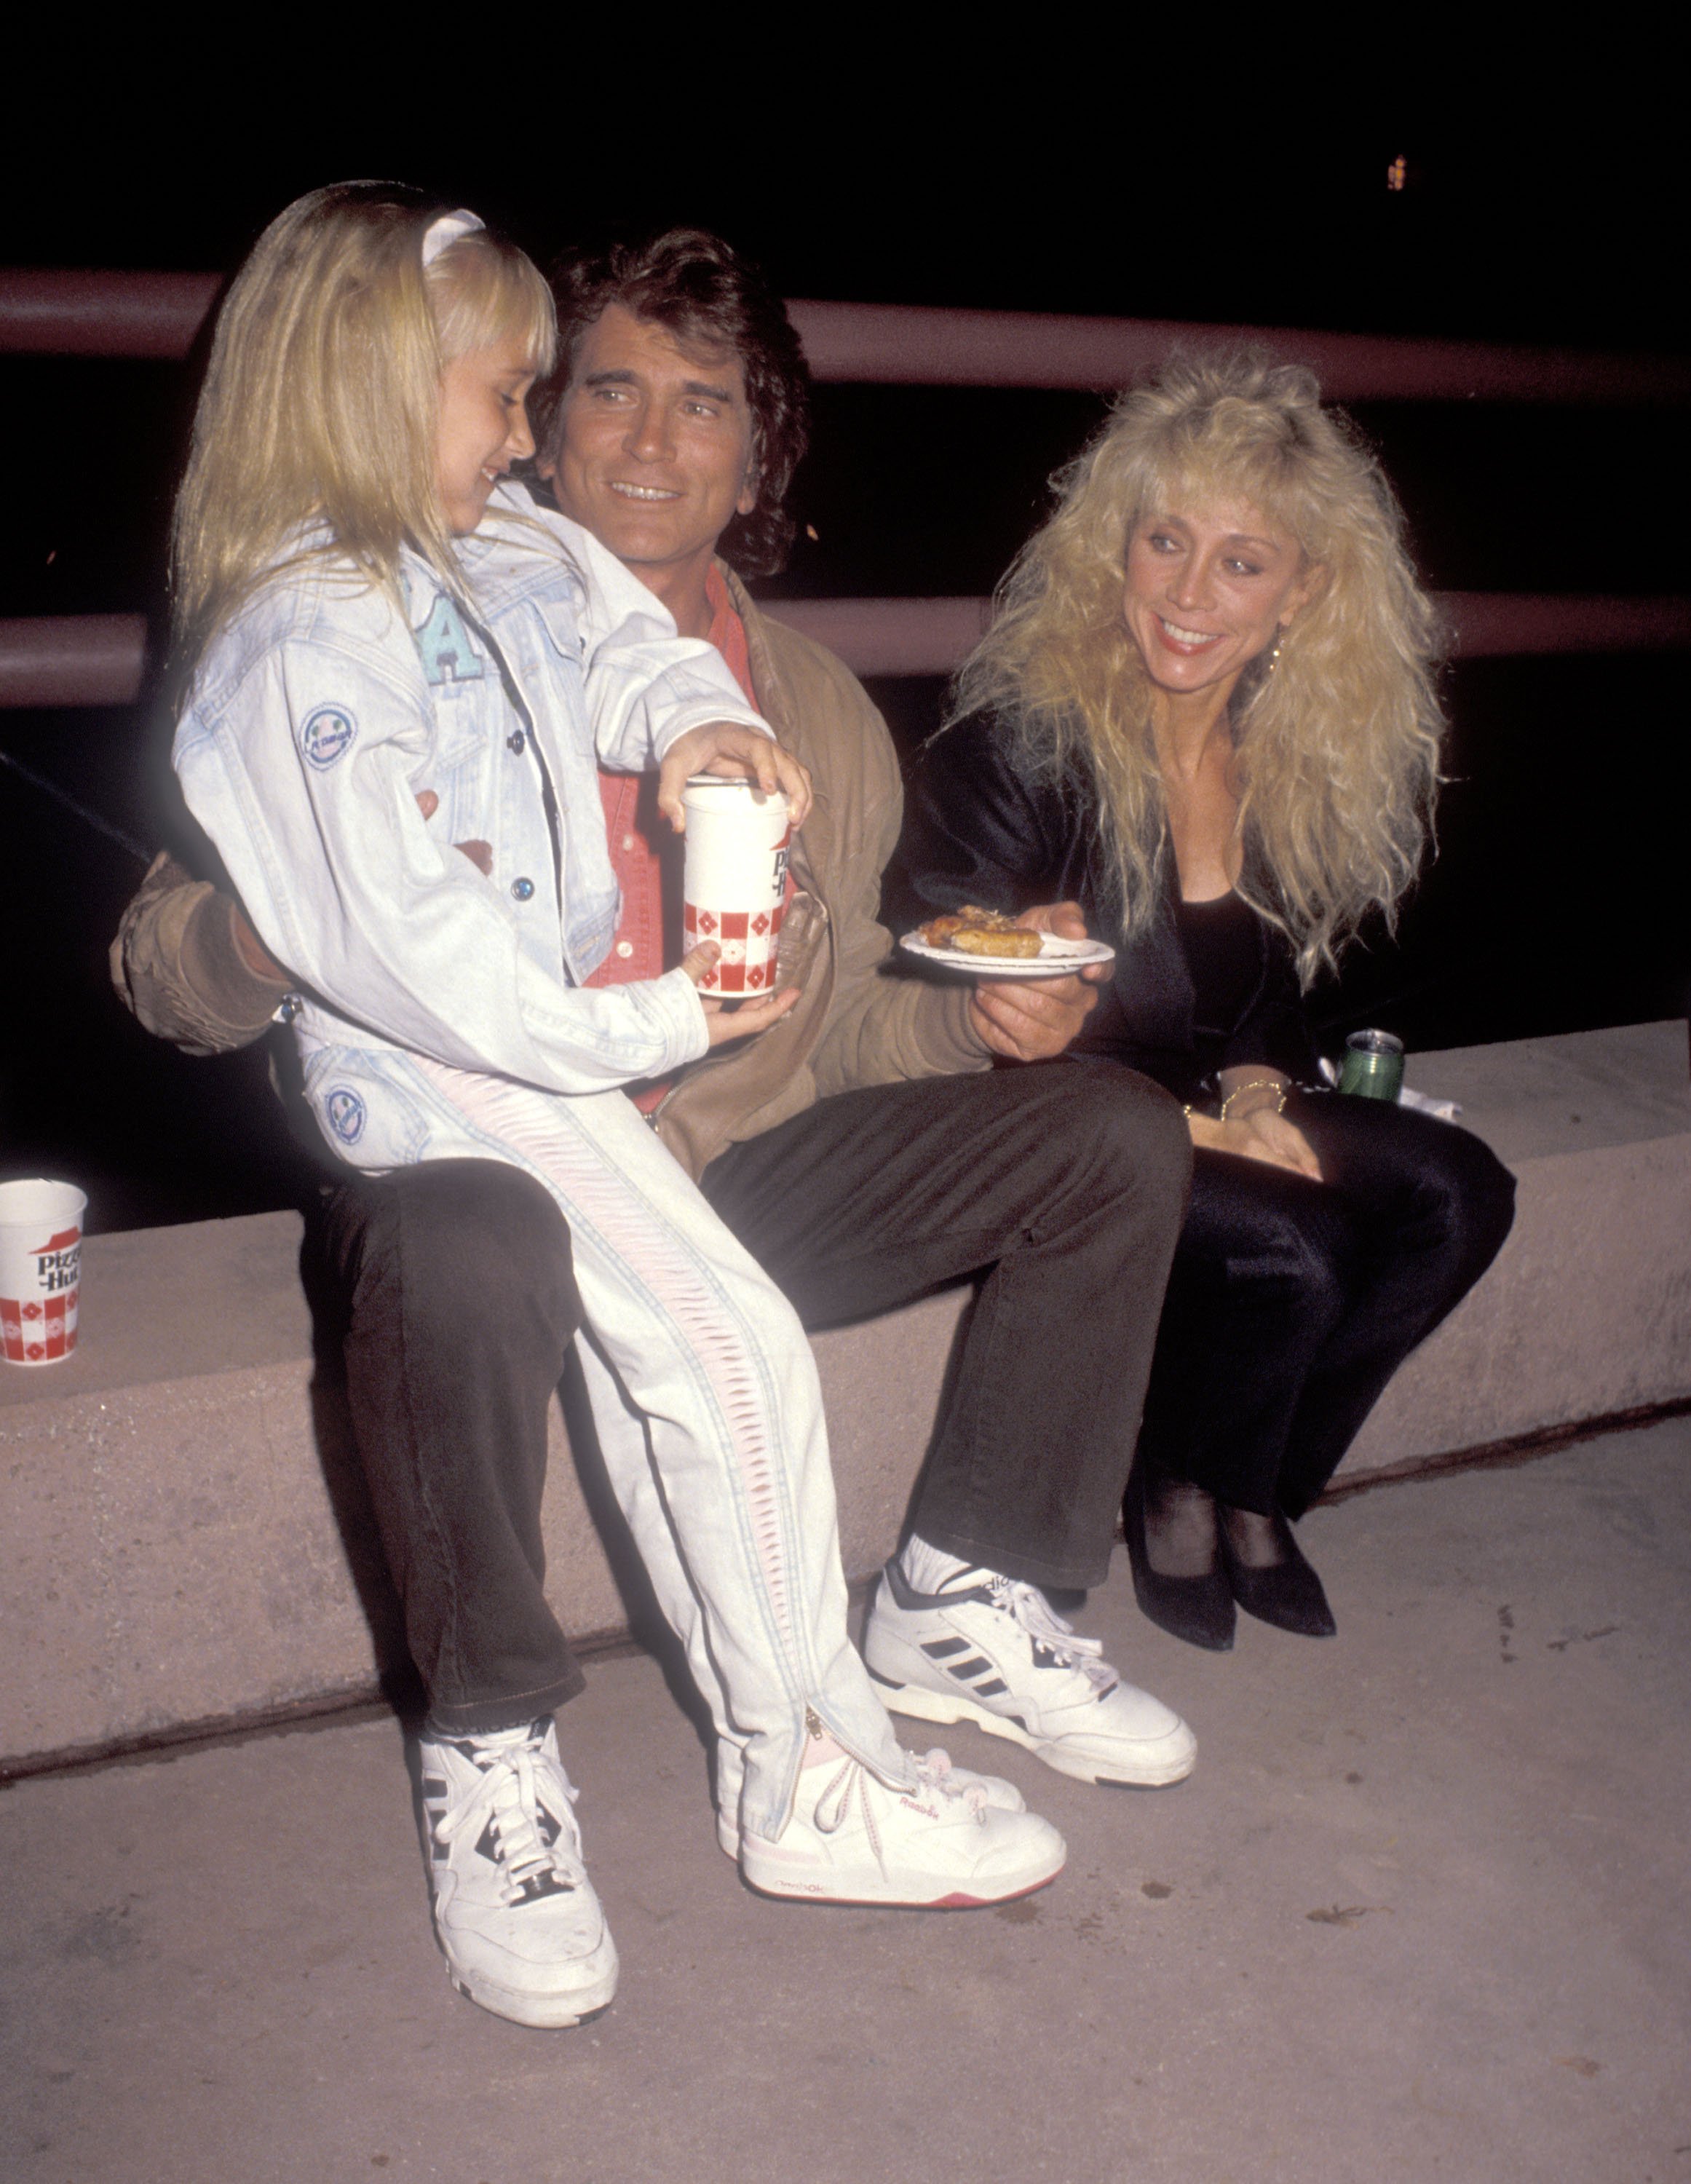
[[47, 312], [65, 313], [72, 659], [98, 660], [931, 636], [915, 346]]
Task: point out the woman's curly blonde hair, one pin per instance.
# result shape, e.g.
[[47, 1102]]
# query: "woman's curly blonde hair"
[[1337, 746]]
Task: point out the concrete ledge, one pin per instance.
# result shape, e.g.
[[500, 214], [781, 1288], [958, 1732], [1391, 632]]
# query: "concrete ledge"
[[1586, 1312], [175, 1500]]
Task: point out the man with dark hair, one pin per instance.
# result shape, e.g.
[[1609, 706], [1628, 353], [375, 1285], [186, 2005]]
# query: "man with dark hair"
[[864, 1147], [703, 296]]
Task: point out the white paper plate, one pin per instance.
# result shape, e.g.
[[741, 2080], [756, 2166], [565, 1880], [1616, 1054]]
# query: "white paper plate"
[[1056, 957]]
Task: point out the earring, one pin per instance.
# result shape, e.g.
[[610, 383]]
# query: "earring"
[[1279, 640]]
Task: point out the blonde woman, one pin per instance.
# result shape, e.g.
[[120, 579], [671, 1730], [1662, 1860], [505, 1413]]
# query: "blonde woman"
[[1206, 711]]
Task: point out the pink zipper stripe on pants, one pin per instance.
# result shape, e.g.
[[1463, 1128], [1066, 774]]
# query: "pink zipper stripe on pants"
[[714, 1357]]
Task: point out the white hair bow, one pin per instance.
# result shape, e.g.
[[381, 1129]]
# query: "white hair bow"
[[451, 227]]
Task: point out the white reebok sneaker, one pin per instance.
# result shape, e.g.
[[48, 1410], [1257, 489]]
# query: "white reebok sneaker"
[[933, 1770], [935, 1845], [994, 1653], [516, 1914]]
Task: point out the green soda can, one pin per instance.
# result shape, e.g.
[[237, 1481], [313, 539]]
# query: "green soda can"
[[1373, 1065]]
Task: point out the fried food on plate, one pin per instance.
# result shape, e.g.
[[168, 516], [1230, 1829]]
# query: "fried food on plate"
[[973, 931], [977, 940]]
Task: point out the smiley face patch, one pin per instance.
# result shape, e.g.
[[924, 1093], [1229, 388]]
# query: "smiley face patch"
[[327, 734], [346, 1114]]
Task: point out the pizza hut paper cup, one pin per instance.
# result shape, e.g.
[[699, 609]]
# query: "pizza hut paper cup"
[[735, 883], [41, 1269]]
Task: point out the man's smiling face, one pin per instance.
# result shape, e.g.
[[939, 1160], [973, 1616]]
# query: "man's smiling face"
[[652, 448]]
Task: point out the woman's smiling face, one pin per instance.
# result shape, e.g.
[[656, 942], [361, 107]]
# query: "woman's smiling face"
[[1211, 584]]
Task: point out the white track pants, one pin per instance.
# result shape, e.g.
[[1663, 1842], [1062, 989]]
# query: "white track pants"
[[704, 1391]]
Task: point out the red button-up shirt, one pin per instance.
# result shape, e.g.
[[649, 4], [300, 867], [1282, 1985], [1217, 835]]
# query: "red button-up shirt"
[[646, 856]]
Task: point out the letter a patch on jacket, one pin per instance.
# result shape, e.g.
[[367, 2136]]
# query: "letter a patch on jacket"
[[444, 644]]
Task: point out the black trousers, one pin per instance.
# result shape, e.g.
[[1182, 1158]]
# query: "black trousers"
[[455, 1293], [1291, 1303], [1062, 1187]]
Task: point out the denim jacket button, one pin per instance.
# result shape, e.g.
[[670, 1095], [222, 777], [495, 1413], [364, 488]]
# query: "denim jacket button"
[[522, 889], [516, 741]]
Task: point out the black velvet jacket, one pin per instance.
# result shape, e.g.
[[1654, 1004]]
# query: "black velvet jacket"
[[978, 829]]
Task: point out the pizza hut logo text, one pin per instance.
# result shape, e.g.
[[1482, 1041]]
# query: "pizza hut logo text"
[[58, 1261]]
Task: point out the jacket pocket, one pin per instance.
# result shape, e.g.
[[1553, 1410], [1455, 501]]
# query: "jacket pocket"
[[369, 1117], [560, 619], [804, 927]]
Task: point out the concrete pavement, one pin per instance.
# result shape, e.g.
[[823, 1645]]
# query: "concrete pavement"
[[1421, 1914]]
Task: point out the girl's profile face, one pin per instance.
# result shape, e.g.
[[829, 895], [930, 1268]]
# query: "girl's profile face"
[[1210, 583], [482, 428]]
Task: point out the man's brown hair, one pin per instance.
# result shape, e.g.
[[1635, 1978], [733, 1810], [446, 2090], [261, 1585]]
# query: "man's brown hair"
[[705, 295]]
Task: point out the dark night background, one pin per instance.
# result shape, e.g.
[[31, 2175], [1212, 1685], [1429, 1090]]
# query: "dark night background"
[[1555, 903]]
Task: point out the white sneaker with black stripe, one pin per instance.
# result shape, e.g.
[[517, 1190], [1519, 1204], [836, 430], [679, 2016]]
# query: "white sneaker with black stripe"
[[990, 1650], [516, 1914]]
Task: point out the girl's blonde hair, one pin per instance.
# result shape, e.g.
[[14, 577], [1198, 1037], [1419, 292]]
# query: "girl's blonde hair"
[[1336, 738], [321, 397]]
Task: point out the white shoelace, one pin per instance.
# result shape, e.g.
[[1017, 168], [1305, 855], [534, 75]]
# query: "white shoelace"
[[833, 1807], [935, 1771], [511, 1794], [851, 1786], [1036, 1616]]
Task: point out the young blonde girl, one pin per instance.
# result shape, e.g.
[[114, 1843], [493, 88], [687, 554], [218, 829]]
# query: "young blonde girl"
[[371, 622]]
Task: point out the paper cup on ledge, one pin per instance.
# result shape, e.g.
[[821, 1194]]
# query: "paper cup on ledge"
[[41, 1269], [735, 883]]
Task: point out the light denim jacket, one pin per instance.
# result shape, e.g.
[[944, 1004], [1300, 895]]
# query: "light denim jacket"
[[314, 720]]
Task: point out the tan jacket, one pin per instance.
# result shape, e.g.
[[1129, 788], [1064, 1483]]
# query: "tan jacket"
[[174, 961]]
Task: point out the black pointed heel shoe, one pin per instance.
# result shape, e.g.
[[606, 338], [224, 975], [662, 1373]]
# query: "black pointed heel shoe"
[[1198, 1609], [1286, 1592]]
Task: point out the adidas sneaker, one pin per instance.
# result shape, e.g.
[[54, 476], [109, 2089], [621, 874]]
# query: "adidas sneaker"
[[993, 1652], [516, 1914]]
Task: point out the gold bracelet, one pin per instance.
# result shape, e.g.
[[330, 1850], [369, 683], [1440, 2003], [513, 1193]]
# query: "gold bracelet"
[[1258, 1084]]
